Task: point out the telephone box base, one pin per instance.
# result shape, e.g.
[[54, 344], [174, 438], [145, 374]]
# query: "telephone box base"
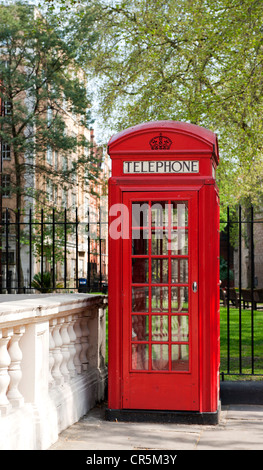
[[161, 416]]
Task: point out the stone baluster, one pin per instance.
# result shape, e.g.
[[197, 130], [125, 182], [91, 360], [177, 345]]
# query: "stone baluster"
[[72, 347], [51, 380], [78, 345], [15, 372], [56, 373], [102, 336], [65, 348], [5, 360], [84, 342]]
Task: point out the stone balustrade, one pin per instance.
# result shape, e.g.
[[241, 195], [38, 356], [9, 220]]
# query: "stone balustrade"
[[52, 365]]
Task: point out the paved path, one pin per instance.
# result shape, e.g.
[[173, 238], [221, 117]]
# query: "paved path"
[[240, 428]]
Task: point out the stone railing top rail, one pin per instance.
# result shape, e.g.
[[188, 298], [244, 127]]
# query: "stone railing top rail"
[[24, 307]]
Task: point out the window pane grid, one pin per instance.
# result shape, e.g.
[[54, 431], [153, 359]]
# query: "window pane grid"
[[164, 328], [160, 323]]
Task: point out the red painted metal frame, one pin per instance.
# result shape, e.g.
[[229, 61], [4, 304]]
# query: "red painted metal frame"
[[209, 330], [173, 390], [191, 142]]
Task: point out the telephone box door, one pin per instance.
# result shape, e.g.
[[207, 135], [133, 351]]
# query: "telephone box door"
[[160, 302]]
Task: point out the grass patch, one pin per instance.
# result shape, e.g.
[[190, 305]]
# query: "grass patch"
[[245, 344]]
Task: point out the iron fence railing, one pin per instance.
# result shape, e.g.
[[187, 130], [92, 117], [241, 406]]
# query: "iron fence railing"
[[40, 249], [241, 294], [57, 245]]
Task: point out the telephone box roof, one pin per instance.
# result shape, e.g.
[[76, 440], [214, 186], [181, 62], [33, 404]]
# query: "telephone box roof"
[[197, 136]]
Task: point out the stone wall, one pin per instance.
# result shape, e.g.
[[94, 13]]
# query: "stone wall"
[[52, 365]]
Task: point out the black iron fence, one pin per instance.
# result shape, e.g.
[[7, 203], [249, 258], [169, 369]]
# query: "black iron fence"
[[53, 252], [61, 252], [241, 293]]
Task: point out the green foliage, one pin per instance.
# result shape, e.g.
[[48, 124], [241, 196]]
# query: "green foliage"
[[45, 286], [199, 62], [223, 270], [42, 82], [42, 235]]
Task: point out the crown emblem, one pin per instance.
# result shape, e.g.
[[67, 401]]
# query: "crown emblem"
[[160, 142]]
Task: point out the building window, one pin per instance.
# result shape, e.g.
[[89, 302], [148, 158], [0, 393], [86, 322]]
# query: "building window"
[[81, 267], [11, 257], [56, 160], [6, 151], [64, 163], [6, 217], [73, 269], [49, 155], [49, 190], [64, 198], [6, 185], [7, 108], [49, 116]]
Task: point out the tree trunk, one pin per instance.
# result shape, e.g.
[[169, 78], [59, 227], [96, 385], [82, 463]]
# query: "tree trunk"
[[19, 269]]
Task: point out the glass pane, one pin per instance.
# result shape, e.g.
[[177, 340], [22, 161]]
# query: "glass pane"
[[140, 242], [140, 356], [140, 328], [160, 299], [180, 271], [180, 329], [179, 242], [160, 357], [180, 213], [159, 212], [140, 214], [140, 299], [179, 298], [159, 271], [159, 242], [180, 357], [140, 270], [160, 328]]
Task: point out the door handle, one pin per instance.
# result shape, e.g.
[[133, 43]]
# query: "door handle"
[[194, 287]]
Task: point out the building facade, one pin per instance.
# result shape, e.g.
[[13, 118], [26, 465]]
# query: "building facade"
[[60, 189]]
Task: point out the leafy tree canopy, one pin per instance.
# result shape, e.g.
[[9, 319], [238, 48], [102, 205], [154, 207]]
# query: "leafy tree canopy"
[[42, 83], [198, 61]]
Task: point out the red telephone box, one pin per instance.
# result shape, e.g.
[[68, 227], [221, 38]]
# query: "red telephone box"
[[163, 330]]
